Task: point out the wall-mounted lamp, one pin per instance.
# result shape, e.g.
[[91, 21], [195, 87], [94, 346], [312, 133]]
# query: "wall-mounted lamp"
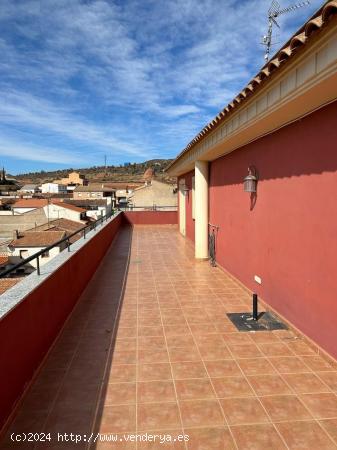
[[250, 181]]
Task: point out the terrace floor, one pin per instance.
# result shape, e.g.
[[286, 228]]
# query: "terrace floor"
[[149, 349]]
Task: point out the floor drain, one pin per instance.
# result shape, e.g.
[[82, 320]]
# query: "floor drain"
[[266, 322]]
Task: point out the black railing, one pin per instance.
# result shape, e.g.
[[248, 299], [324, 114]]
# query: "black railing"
[[213, 231], [66, 240], [147, 208]]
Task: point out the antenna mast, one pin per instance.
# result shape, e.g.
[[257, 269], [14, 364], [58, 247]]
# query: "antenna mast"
[[273, 12]]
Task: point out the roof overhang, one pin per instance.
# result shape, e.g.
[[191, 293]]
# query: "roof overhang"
[[307, 82]]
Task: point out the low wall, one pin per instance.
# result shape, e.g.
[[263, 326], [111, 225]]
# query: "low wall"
[[151, 217], [29, 329]]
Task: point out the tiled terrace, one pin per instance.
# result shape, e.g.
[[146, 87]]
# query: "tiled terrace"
[[162, 357]]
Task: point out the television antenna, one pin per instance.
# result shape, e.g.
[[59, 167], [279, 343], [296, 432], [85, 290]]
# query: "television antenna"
[[274, 12]]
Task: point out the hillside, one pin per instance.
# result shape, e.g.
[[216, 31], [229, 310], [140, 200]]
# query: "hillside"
[[132, 172]]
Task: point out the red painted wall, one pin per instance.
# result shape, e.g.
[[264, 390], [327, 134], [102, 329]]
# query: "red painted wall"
[[289, 239], [29, 330], [190, 229], [151, 217]]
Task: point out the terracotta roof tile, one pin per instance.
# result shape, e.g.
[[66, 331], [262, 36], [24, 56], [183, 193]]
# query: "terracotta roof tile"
[[68, 206], [3, 260], [31, 203], [70, 226], [38, 238], [7, 283], [66, 225]]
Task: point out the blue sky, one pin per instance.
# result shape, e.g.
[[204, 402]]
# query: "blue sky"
[[130, 79]]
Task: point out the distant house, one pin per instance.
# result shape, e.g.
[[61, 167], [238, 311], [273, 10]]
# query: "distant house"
[[73, 179], [122, 191], [154, 194], [29, 189], [94, 191], [95, 208], [30, 242], [57, 210], [54, 209], [66, 225], [29, 204], [53, 188]]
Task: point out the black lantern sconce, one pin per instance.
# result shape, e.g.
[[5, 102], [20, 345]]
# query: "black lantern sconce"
[[250, 181]]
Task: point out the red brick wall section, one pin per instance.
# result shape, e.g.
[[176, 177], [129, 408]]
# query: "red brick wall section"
[[151, 217], [289, 238], [29, 330], [190, 228]]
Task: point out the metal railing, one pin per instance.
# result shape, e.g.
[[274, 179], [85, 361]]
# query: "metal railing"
[[84, 230], [148, 208], [212, 234]]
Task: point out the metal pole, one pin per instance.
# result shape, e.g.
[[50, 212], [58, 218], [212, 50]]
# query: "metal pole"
[[255, 310], [38, 265]]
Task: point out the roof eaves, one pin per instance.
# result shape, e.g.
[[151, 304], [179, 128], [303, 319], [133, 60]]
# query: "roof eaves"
[[319, 19]]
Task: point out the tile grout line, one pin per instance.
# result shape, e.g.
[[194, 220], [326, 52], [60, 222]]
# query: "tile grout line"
[[279, 340], [269, 358], [169, 359], [178, 280], [293, 390], [110, 349], [261, 404], [247, 380], [311, 371], [210, 380]]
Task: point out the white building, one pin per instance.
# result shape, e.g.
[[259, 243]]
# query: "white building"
[[30, 242], [53, 209], [62, 210], [93, 191], [94, 208], [28, 204], [29, 189], [53, 188]]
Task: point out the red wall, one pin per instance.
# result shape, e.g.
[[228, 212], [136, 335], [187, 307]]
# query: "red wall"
[[151, 217], [289, 239], [190, 229], [29, 330]]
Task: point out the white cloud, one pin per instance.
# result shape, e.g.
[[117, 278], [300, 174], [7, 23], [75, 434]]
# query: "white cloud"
[[23, 109], [31, 152], [136, 78]]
